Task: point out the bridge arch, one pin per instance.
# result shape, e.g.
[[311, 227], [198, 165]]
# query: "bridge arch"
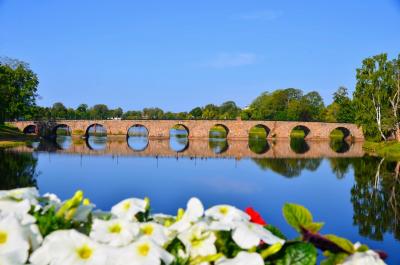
[[300, 131], [218, 130], [179, 137], [31, 129], [96, 129], [340, 132], [137, 137], [67, 129]]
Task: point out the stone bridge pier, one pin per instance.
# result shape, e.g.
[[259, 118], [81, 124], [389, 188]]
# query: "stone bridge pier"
[[160, 129]]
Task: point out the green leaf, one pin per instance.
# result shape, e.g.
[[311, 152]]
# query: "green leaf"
[[314, 227], [334, 259], [275, 231], [344, 243], [299, 253], [296, 215]]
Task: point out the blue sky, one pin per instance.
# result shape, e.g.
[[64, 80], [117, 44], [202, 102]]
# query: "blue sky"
[[180, 54]]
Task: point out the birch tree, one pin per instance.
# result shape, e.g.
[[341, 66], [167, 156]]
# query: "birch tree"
[[371, 97]]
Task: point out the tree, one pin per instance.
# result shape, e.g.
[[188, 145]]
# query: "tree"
[[18, 89], [82, 111], [59, 111], [100, 111], [229, 110], [196, 113], [374, 91], [342, 106], [117, 113], [153, 113], [395, 95]]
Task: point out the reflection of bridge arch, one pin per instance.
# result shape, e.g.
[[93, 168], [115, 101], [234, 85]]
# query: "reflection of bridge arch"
[[179, 138], [30, 129], [137, 137], [299, 145], [98, 129]]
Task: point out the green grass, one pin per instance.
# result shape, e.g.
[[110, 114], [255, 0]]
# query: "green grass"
[[389, 150], [217, 132], [11, 137], [257, 132], [297, 134], [336, 134]]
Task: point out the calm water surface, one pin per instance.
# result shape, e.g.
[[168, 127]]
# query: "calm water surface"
[[357, 196]]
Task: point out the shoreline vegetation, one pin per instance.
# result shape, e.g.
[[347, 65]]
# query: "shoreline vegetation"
[[389, 149], [12, 137]]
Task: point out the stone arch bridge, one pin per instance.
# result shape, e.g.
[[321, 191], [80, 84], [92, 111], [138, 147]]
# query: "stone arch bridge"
[[160, 129]]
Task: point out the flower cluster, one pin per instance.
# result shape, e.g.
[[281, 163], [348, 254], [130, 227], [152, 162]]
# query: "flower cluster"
[[45, 231]]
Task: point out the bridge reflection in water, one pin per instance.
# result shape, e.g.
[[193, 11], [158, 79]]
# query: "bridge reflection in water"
[[143, 147]]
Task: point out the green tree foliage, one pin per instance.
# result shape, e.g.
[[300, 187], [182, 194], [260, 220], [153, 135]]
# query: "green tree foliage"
[[196, 113], [100, 111], [18, 89], [59, 111], [377, 96], [286, 104], [341, 109]]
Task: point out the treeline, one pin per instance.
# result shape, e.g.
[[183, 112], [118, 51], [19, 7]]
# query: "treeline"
[[283, 104], [375, 104]]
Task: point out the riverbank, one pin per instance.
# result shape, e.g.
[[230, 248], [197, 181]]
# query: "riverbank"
[[12, 137], [389, 150]]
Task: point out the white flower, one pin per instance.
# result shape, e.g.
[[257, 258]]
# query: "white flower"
[[248, 235], [128, 208], [31, 194], [368, 257], [13, 244], [18, 208], [53, 199], [198, 241], [156, 232], [33, 235], [69, 247], [143, 252], [194, 210], [243, 258], [115, 232], [226, 214]]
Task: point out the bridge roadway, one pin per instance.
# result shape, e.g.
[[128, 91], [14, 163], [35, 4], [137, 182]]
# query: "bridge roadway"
[[236, 129], [197, 148]]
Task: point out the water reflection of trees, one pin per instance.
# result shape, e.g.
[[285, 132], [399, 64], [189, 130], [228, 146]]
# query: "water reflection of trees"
[[288, 167], [376, 197], [17, 170]]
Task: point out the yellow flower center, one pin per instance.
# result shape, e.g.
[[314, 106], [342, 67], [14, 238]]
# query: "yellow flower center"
[[223, 210], [115, 229], [195, 241], [84, 252], [147, 230], [143, 249], [3, 237], [126, 206]]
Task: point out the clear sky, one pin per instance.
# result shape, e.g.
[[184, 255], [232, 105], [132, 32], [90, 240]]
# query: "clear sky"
[[180, 54]]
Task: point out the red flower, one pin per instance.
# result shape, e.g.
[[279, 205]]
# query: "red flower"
[[255, 217]]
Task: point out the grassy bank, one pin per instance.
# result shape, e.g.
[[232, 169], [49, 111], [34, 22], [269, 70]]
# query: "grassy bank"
[[11, 137], [390, 149]]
